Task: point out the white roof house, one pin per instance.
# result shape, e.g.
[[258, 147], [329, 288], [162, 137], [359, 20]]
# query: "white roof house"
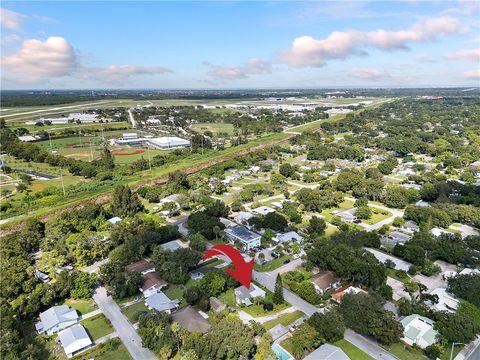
[[468, 271], [160, 302], [327, 352], [56, 318], [263, 210], [418, 330], [114, 220], [242, 216], [74, 339], [446, 301], [288, 236], [244, 295]]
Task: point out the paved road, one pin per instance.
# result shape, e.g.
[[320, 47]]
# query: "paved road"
[[92, 268], [367, 345], [132, 119], [474, 354], [181, 225], [122, 327]]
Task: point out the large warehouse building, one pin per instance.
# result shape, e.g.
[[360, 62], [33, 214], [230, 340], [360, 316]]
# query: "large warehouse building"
[[164, 142]]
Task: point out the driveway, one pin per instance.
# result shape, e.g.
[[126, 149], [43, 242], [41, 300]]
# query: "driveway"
[[123, 328], [367, 345]]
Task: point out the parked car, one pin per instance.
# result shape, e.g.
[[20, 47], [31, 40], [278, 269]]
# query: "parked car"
[[274, 255], [286, 261]]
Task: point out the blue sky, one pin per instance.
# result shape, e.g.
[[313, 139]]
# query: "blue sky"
[[239, 44]]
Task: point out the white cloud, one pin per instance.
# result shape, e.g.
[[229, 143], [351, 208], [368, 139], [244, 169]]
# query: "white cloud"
[[369, 73], [251, 67], [424, 58], [119, 73], [10, 38], [472, 74], [53, 57], [11, 19], [465, 55], [307, 51], [38, 60]]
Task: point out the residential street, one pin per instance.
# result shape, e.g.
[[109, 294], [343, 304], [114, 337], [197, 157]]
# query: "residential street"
[[123, 328]]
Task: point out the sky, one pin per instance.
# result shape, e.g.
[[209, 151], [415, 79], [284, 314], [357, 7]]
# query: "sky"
[[229, 45]]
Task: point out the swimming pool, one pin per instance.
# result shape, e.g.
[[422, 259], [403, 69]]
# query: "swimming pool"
[[281, 353]]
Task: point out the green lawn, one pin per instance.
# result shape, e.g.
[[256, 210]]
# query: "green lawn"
[[176, 292], [215, 128], [404, 352], [285, 320], [97, 326], [133, 311], [257, 310], [272, 265], [228, 298], [82, 306], [352, 351], [103, 352], [393, 274], [377, 215]]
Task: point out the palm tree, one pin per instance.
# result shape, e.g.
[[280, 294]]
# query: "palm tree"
[[176, 328]]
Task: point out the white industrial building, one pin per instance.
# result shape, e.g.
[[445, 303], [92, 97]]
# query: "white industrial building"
[[163, 143]]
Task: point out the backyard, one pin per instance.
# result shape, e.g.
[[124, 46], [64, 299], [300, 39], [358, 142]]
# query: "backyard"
[[97, 326]]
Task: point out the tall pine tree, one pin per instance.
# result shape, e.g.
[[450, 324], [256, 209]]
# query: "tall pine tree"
[[125, 202], [107, 158], [278, 293]]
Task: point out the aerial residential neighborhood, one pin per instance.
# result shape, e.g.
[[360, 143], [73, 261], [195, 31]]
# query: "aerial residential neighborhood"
[[293, 206]]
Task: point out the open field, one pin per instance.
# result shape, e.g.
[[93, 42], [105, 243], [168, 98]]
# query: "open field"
[[215, 128], [85, 127], [101, 352], [82, 306]]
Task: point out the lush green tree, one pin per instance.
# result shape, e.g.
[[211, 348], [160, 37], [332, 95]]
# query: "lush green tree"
[[125, 202], [466, 287], [201, 222], [304, 339], [175, 265], [455, 327], [363, 212], [329, 326], [278, 293], [83, 284], [106, 158], [316, 225], [274, 221], [120, 283], [286, 170], [364, 314], [197, 242]]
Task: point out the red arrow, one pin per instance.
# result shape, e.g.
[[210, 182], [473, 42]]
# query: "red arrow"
[[242, 272]]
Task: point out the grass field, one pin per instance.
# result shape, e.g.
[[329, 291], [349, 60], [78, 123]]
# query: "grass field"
[[102, 352], [405, 353], [82, 306], [352, 351], [85, 127], [272, 265], [97, 326], [133, 311], [285, 320], [215, 128], [377, 215]]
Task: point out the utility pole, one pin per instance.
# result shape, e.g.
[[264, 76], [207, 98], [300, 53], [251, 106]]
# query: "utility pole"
[[50, 140], [63, 184], [149, 162]]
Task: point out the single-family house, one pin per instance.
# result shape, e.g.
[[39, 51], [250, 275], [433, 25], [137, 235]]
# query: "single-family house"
[[143, 267], [74, 339], [422, 203], [245, 295], [173, 245], [242, 217], [56, 318], [216, 304], [327, 352], [263, 210], [437, 231], [152, 284], [410, 227], [446, 301], [170, 199], [41, 276], [418, 330], [114, 220], [338, 295], [160, 302], [398, 237], [247, 238], [287, 237], [468, 271], [324, 281]]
